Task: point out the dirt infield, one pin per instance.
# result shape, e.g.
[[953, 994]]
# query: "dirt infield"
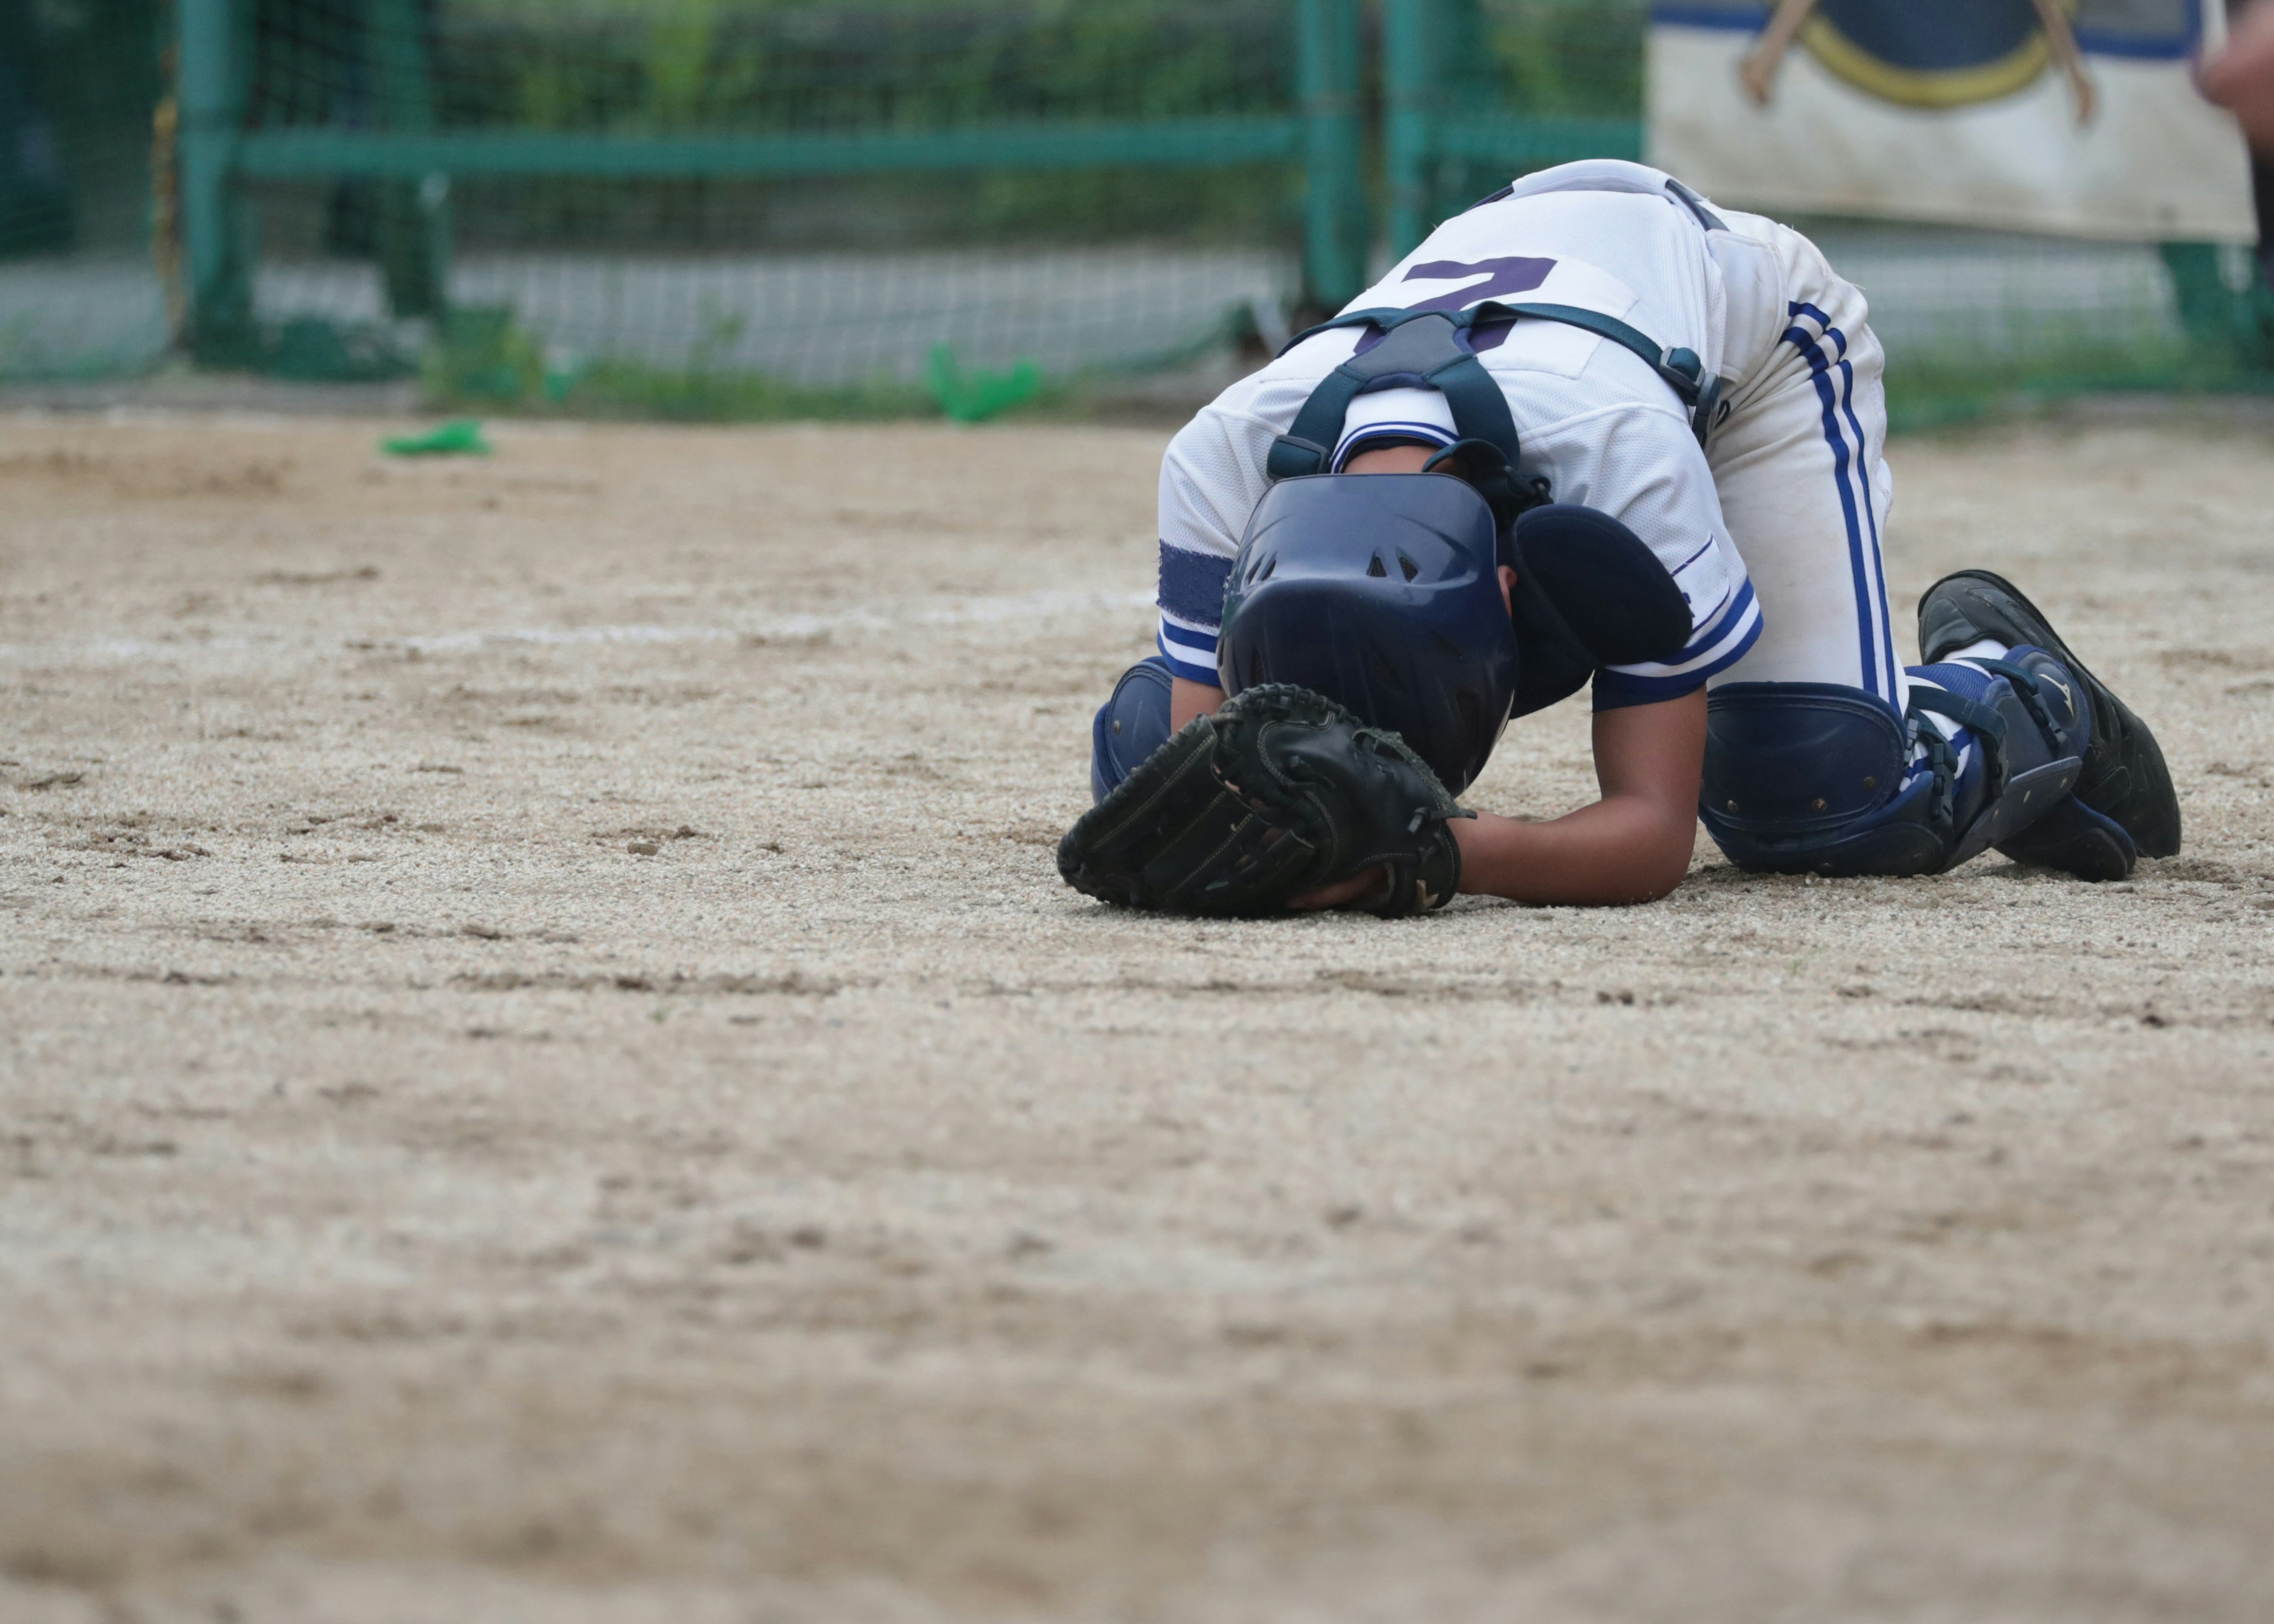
[[546, 1073]]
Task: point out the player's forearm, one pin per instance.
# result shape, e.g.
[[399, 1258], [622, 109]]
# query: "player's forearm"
[[1623, 849], [1188, 699]]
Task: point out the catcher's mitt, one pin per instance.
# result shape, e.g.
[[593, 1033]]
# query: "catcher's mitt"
[[1281, 792]]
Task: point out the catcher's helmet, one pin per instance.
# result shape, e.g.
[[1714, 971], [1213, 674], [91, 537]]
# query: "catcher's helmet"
[[1380, 592]]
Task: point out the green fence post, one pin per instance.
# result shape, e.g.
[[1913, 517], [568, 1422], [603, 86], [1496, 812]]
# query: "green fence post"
[[1335, 214], [2226, 324], [213, 216], [1410, 86], [414, 221]]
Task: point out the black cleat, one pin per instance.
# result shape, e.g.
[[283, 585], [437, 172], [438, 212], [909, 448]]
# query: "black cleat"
[[2124, 798]]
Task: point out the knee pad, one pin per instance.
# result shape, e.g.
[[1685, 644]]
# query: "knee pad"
[[1809, 777], [1133, 724]]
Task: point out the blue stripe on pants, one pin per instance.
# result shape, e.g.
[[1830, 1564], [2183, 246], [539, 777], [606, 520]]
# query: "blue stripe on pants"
[[1862, 485], [1870, 518], [1877, 678]]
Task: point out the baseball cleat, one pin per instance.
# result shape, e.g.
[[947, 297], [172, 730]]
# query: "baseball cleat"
[[2124, 802]]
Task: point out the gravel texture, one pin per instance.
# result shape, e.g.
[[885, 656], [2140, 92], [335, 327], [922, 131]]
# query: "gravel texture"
[[546, 1073]]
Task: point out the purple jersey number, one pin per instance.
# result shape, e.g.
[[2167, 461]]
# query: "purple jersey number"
[[1519, 274], [1503, 277]]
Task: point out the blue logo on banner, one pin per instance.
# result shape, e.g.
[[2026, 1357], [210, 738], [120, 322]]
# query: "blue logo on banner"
[[1931, 53], [1947, 53]]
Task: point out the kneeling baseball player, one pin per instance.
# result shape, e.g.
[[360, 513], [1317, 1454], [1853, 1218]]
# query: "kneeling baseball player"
[[1594, 429]]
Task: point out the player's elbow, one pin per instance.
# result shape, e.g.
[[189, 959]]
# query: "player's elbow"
[[1663, 880], [1662, 860]]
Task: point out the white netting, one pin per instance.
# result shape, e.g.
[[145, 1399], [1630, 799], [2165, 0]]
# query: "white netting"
[[64, 318], [832, 319], [1937, 292]]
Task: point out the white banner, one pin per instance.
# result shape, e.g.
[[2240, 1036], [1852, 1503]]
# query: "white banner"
[[2074, 116]]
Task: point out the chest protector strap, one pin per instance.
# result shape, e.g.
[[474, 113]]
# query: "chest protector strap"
[[1422, 348]]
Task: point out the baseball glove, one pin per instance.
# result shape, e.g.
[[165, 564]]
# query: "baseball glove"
[[1281, 792]]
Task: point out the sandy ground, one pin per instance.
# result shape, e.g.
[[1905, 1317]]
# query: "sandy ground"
[[546, 1072]]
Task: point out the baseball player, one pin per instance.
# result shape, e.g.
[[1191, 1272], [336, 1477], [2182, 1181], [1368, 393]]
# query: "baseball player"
[[1594, 430]]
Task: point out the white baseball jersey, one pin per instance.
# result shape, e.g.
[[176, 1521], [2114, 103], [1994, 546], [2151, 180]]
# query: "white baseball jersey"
[[1592, 418]]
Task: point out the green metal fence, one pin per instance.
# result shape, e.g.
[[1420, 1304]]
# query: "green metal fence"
[[724, 206], [405, 97], [1474, 94]]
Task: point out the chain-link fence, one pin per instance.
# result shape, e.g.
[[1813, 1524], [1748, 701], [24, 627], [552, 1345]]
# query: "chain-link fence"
[[761, 207]]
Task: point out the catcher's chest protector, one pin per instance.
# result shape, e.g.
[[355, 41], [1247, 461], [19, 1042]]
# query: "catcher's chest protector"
[[1423, 349]]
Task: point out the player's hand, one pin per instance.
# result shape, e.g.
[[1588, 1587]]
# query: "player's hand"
[[1759, 76], [1366, 883], [2240, 77]]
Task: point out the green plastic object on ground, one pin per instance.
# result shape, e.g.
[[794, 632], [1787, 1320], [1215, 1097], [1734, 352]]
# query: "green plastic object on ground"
[[461, 438], [975, 397]]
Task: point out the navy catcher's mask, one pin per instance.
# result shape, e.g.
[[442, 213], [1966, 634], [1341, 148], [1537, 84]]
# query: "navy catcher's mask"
[[1380, 592]]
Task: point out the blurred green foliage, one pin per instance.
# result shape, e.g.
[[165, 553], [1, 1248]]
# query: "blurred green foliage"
[[661, 66], [1546, 59], [633, 389], [481, 357], [714, 66], [1550, 56], [1950, 388], [821, 65]]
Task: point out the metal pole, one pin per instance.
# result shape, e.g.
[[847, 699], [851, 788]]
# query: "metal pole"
[[212, 92], [2221, 305], [414, 219], [1409, 82], [1334, 213]]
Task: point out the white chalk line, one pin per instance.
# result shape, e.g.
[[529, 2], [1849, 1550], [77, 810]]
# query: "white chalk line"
[[773, 628]]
